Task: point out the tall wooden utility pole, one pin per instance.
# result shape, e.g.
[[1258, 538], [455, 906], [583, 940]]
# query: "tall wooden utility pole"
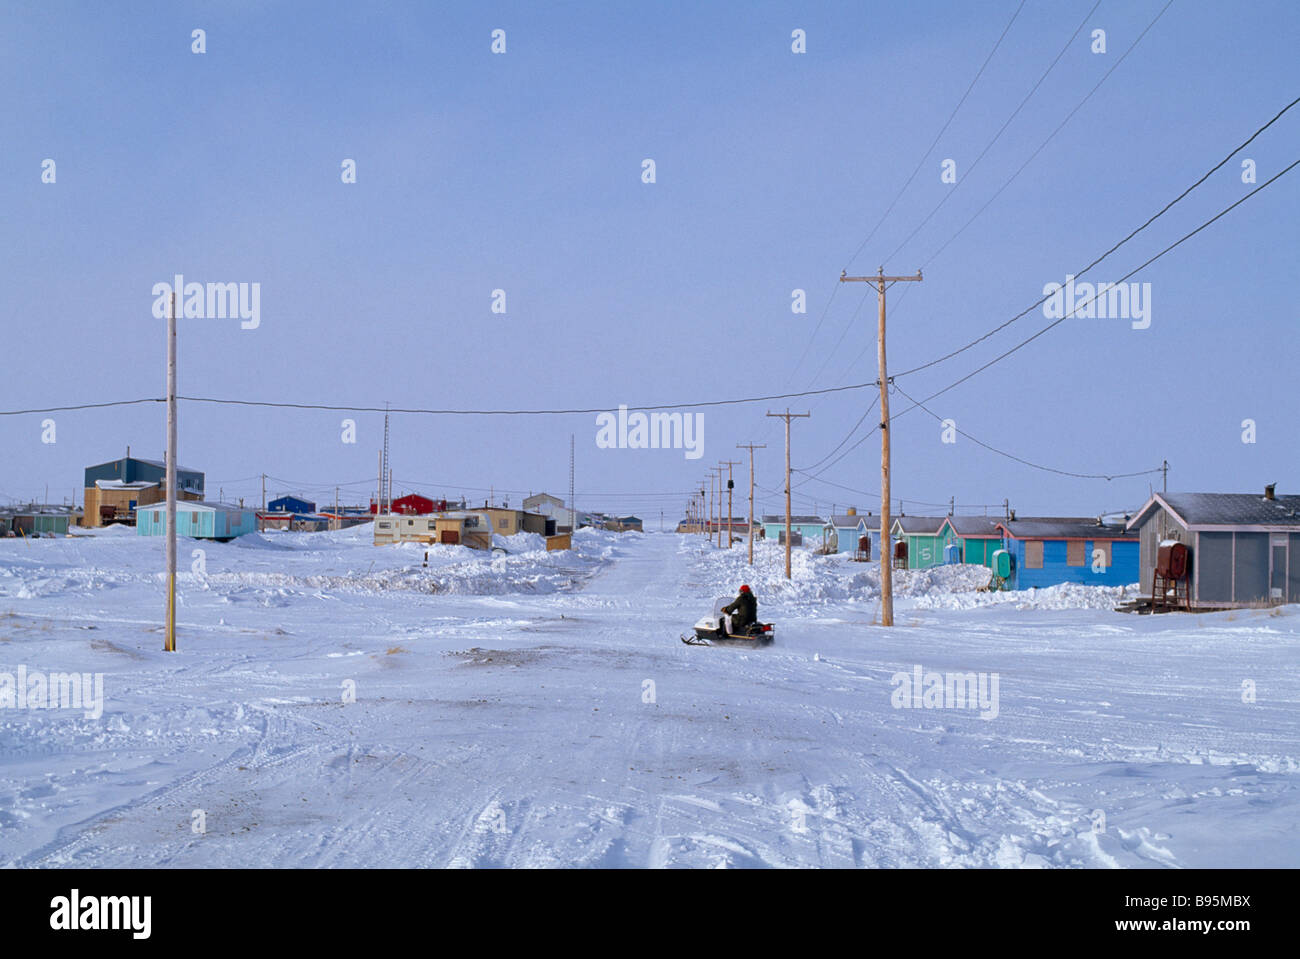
[[730, 486], [788, 416], [881, 283], [715, 472], [169, 641], [751, 447]]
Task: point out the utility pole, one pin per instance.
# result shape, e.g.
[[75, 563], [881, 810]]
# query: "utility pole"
[[881, 283], [788, 416], [263, 492], [1164, 468], [751, 447], [169, 642], [715, 473], [730, 486]]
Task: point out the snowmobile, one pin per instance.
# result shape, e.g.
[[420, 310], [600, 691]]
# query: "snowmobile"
[[715, 630]]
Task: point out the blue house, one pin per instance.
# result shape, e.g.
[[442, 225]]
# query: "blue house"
[[842, 532], [197, 520], [133, 470], [805, 530], [290, 504], [1047, 551]]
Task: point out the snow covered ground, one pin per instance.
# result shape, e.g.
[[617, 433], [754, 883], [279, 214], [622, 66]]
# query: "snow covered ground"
[[537, 709]]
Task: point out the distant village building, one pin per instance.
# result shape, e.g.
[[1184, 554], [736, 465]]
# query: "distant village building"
[[803, 529], [197, 520], [453, 528], [114, 490], [37, 521], [552, 506], [507, 522], [290, 504], [1244, 548]]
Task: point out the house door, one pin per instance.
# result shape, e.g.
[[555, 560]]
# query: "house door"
[[1278, 570]]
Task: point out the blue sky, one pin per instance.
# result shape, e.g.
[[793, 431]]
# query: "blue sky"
[[522, 172]]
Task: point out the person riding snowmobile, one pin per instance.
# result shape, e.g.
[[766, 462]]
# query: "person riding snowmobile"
[[743, 610]]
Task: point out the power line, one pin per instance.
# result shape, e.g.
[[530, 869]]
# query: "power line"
[[1062, 319], [847, 436], [988, 146], [1058, 322], [1069, 116], [1165, 209], [938, 136], [521, 412], [1022, 167], [1055, 323], [1012, 456], [99, 406], [919, 164]]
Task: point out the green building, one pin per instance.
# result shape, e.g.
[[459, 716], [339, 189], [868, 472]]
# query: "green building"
[[977, 537], [925, 536]]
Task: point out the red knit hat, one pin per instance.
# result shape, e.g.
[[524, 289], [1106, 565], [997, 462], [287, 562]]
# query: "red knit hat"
[[744, 589]]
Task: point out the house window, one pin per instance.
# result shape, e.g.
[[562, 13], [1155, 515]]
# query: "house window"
[[194, 517], [1104, 546], [1034, 554], [503, 522], [1074, 552]]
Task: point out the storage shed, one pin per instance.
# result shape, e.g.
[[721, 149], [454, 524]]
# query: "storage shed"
[[1244, 547], [197, 520], [1048, 551]]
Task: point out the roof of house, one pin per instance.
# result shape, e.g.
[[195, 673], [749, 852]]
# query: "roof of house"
[[985, 527], [161, 464], [846, 521], [794, 520], [193, 505], [1063, 527], [120, 484], [920, 525], [1211, 510], [543, 498]]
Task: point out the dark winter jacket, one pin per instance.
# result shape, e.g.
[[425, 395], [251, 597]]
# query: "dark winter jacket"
[[743, 610]]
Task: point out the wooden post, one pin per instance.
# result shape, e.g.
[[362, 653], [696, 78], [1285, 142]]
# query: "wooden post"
[[169, 642], [730, 485], [881, 283], [788, 416], [751, 447]]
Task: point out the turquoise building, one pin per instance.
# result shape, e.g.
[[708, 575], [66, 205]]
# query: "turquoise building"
[[197, 520]]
